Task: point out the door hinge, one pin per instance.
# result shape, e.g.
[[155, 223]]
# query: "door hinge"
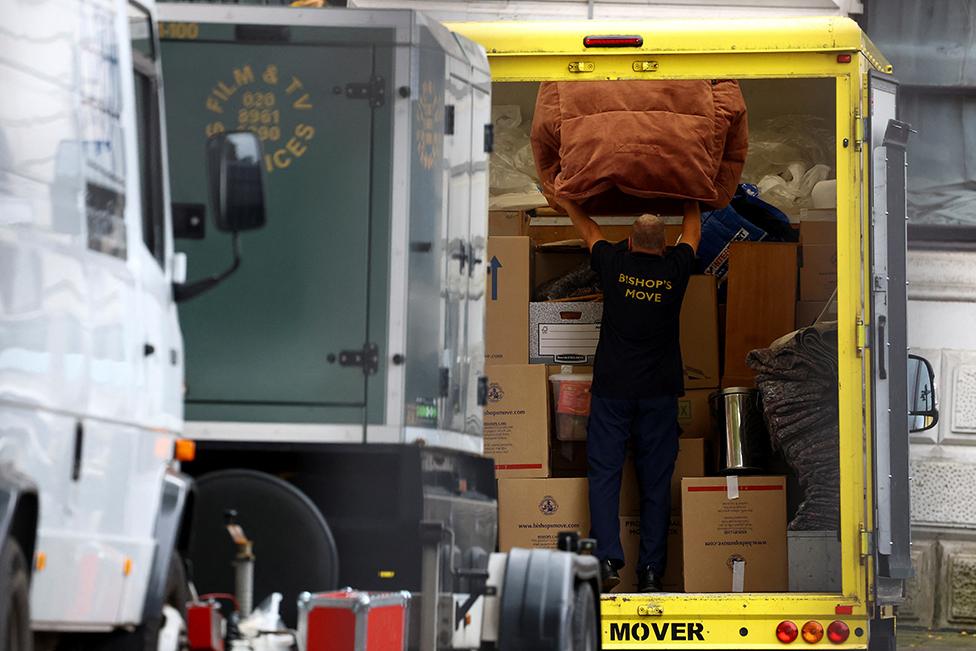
[[859, 130], [373, 90], [368, 358], [861, 336], [867, 543]]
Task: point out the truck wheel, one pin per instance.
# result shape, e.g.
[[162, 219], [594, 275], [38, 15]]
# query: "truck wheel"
[[15, 632], [174, 607], [584, 619]]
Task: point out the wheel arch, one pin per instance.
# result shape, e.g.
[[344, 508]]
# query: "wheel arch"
[[171, 534]]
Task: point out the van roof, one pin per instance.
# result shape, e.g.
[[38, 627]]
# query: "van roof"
[[686, 36]]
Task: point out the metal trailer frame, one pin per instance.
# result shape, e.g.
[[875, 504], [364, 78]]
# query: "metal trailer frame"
[[824, 48]]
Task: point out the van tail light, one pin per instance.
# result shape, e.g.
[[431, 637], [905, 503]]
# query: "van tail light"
[[786, 632], [613, 41], [185, 450], [812, 632], [838, 632]]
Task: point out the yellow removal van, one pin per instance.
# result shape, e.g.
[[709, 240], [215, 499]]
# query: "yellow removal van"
[[828, 69]]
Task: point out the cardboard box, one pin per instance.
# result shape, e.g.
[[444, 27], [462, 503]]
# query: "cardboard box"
[[818, 272], [673, 579], [761, 300], [818, 227], [734, 541], [532, 512], [747, 380], [508, 223], [808, 311], [516, 429], [699, 333], [564, 333], [690, 463], [695, 414], [507, 300]]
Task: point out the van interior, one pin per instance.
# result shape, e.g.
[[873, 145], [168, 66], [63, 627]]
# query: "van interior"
[[774, 294]]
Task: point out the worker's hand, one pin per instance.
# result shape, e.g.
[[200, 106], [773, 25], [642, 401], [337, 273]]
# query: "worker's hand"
[[564, 204]]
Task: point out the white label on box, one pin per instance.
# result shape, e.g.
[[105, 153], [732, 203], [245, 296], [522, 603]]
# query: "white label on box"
[[557, 339], [732, 487], [738, 576]]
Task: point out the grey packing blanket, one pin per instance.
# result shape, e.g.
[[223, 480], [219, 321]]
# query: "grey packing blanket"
[[797, 380], [581, 281]]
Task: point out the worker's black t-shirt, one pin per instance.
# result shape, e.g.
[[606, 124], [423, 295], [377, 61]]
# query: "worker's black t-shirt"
[[639, 355]]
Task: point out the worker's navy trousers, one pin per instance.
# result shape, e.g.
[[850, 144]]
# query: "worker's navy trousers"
[[652, 424]]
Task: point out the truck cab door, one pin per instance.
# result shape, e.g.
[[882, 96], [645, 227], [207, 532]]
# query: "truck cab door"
[[887, 140]]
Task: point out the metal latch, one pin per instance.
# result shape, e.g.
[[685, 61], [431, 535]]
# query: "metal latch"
[[581, 66], [645, 66], [861, 337], [649, 610], [368, 358], [374, 90]]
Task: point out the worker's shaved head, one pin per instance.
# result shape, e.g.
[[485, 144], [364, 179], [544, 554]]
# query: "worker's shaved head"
[[648, 234]]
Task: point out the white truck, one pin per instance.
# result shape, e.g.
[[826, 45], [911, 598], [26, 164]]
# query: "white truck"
[[91, 354]]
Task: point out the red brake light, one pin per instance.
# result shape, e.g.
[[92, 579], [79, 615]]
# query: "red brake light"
[[786, 632], [844, 58], [838, 632], [613, 41]]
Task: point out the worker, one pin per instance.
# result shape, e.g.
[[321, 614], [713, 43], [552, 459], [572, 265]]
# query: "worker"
[[637, 379]]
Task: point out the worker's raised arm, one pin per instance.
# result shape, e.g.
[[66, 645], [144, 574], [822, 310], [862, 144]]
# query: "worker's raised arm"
[[588, 229], [691, 225]]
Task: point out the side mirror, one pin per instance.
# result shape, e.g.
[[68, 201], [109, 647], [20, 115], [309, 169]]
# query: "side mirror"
[[237, 197], [923, 411], [236, 181]]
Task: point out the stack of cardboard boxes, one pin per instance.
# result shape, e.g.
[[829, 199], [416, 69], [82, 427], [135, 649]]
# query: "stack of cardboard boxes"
[[818, 266], [732, 536]]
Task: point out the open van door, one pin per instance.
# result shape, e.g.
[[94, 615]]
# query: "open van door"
[[888, 140]]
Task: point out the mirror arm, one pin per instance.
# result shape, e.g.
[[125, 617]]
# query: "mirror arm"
[[185, 291]]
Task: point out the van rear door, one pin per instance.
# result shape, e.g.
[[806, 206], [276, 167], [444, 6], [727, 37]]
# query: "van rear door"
[[888, 138]]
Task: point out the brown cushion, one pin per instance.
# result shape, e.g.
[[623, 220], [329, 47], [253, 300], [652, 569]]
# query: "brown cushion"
[[640, 146]]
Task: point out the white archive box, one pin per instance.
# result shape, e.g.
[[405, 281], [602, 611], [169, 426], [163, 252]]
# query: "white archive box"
[[564, 333]]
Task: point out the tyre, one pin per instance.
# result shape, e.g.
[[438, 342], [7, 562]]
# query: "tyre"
[[15, 632], [584, 619]]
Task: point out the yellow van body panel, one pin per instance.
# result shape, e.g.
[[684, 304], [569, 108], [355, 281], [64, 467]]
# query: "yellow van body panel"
[[746, 49]]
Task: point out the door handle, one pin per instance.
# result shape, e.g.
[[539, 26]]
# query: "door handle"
[[882, 348], [76, 457]]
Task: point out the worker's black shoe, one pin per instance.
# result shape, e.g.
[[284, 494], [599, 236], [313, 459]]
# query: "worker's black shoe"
[[609, 578], [648, 581]]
